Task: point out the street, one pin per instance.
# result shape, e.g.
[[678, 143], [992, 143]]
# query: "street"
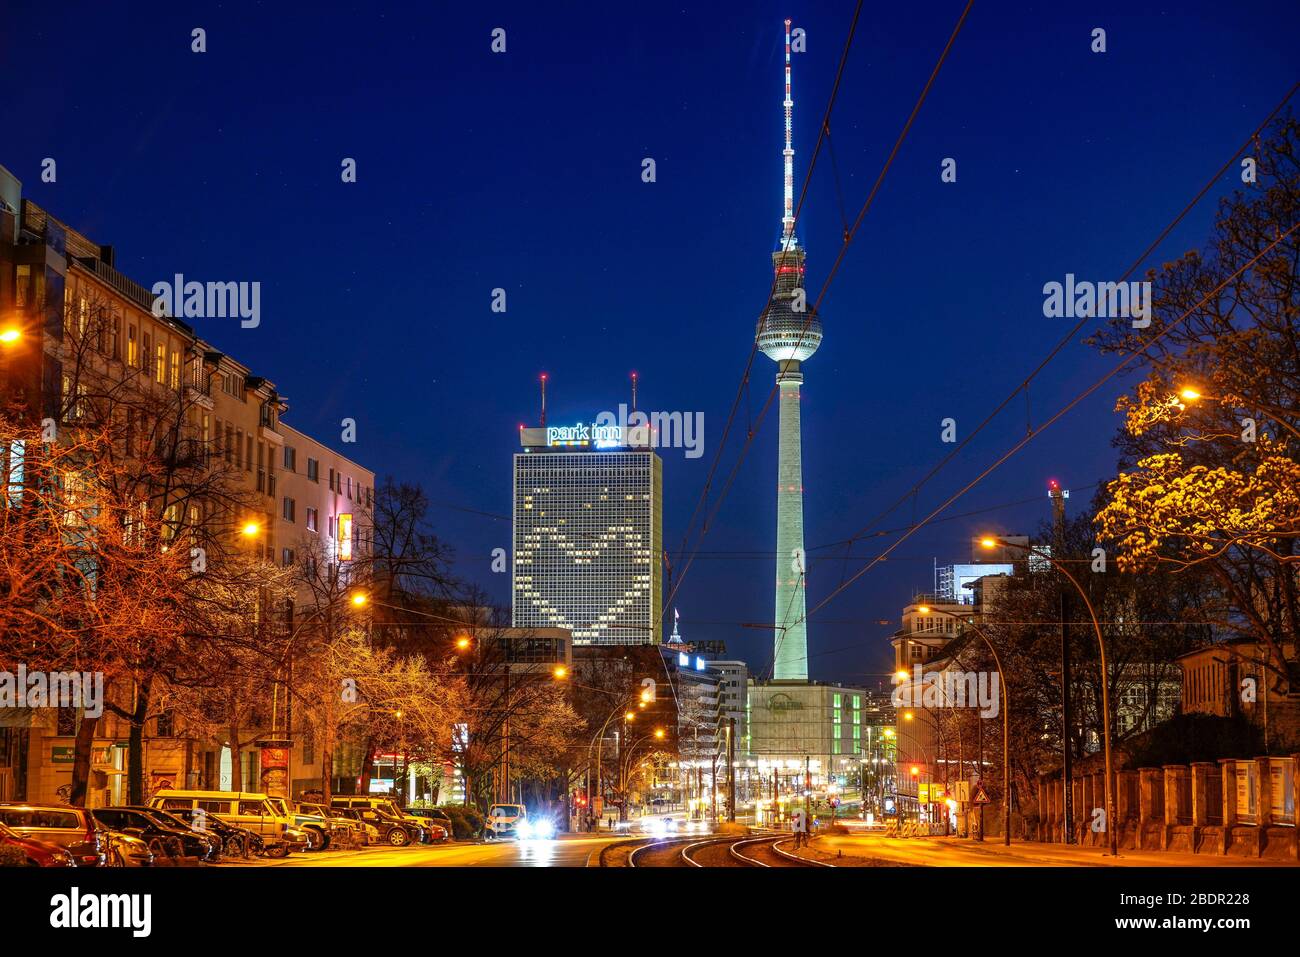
[[568, 851]]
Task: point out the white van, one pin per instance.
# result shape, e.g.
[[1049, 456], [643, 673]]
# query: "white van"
[[250, 809]]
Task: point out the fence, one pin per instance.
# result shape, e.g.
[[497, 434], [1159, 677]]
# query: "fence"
[[1242, 807]]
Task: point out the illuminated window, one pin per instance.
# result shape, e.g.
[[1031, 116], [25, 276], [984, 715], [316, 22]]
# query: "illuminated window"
[[345, 537], [132, 348]]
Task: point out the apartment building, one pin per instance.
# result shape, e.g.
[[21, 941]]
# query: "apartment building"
[[67, 317], [324, 499]]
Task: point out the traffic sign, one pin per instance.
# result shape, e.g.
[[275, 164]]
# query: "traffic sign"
[[981, 796]]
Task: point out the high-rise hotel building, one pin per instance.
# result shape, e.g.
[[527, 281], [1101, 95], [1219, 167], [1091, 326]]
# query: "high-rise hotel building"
[[588, 533]]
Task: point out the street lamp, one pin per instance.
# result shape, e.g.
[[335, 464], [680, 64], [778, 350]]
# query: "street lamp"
[[1189, 394], [1006, 728], [990, 541], [10, 335]]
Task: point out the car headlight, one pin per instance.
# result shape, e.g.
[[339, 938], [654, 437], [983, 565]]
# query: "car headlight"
[[544, 829], [525, 829]]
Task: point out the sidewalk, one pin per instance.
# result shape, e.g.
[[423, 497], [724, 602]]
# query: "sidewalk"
[[876, 851]]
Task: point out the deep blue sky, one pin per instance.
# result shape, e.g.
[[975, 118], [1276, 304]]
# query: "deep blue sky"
[[523, 171]]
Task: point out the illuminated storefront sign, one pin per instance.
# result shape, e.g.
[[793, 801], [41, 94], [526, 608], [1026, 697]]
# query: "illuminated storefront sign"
[[601, 436], [345, 537]]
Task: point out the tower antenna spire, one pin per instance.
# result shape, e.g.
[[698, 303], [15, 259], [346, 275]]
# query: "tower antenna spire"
[[787, 217], [543, 400]]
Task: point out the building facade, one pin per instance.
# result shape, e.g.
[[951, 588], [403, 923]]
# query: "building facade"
[[71, 318], [588, 536]]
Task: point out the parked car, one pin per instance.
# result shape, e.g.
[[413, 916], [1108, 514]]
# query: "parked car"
[[386, 805], [344, 830], [393, 830], [39, 853], [440, 820], [164, 836], [320, 827], [126, 850], [235, 841], [71, 828], [418, 828], [250, 809], [368, 833]]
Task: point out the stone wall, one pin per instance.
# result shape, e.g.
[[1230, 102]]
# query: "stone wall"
[[1239, 807]]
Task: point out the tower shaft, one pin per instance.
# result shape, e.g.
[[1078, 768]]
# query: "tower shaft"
[[791, 657]]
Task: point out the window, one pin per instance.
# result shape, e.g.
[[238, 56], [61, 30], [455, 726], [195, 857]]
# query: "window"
[[174, 380], [290, 509], [239, 448], [114, 335], [160, 365], [22, 294], [248, 452], [349, 486], [290, 459], [313, 470], [311, 519], [331, 480], [286, 557], [132, 348]]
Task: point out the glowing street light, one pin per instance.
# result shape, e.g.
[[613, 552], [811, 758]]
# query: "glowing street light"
[[1191, 395], [10, 335], [659, 733], [359, 599], [250, 530], [559, 672], [462, 643]]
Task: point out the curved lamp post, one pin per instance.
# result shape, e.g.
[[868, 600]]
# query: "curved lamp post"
[[1006, 722], [1112, 834]]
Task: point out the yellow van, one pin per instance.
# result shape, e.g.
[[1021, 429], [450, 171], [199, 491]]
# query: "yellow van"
[[250, 809]]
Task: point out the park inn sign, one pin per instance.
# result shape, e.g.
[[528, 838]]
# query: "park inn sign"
[[783, 702]]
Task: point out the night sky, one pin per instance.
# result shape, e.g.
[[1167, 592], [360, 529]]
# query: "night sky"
[[523, 171]]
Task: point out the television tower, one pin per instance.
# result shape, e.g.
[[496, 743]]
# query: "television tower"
[[788, 335]]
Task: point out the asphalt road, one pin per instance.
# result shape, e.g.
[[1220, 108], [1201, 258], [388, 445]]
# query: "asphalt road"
[[567, 851]]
